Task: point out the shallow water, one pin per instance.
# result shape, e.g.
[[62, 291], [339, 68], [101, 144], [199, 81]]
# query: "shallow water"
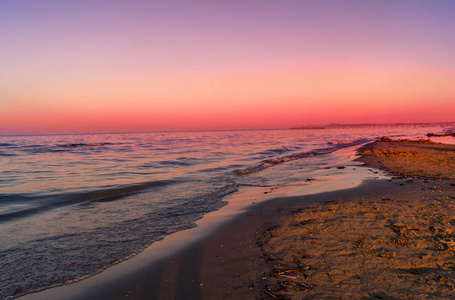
[[70, 205]]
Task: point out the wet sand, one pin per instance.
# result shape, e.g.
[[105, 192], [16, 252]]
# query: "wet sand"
[[381, 240]]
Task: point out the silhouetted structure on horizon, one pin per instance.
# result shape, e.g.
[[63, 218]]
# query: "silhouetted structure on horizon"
[[369, 125]]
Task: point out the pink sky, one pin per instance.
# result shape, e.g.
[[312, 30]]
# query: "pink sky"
[[97, 66]]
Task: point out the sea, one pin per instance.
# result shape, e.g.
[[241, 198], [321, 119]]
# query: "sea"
[[72, 205]]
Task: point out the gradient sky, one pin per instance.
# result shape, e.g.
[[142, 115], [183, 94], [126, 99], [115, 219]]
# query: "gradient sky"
[[117, 65]]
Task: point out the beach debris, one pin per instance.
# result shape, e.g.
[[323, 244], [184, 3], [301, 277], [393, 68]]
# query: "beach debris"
[[270, 294], [287, 276], [303, 222]]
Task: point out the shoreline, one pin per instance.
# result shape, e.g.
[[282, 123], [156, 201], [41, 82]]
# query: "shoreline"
[[226, 263], [241, 204], [231, 260]]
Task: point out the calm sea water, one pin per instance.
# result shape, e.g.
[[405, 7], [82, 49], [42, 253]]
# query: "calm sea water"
[[71, 205]]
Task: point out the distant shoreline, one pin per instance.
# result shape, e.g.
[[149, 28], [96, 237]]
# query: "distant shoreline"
[[369, 125]]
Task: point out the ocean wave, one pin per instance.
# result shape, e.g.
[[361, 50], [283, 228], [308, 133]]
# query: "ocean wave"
[[43, 148], [76, 145], [275, 161], [278, 160], [89, 255], [343, 142], [7, 154], [284, 149], [35, 204]]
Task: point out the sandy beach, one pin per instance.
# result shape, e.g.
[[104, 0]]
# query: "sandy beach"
[[384, 239], [398, 243]]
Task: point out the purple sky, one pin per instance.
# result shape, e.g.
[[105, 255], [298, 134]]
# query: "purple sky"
[[157, 65]]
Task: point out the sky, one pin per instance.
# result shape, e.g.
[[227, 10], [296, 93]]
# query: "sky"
[[119, 66]]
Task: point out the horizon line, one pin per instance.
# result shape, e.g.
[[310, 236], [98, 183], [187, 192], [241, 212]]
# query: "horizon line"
[[313, 126]]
